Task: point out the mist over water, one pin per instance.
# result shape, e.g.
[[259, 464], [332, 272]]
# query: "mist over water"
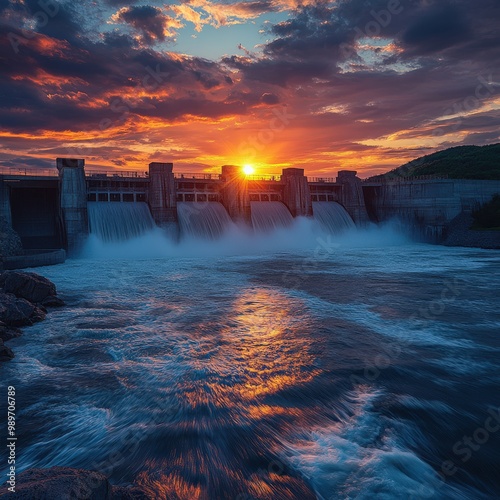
[[301, 234], [295, 363]]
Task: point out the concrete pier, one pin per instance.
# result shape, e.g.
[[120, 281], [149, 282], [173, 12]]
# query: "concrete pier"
[[234, 193], [73, 201], [296, 193], [352, 197], [5, 210], [162, 194]]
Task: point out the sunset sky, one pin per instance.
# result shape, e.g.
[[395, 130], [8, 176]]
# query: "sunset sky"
[[353, 84]]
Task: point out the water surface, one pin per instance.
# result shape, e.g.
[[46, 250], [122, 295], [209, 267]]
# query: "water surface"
[[319, 368]]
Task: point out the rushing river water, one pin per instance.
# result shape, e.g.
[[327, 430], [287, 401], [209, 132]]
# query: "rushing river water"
[[280, 367]]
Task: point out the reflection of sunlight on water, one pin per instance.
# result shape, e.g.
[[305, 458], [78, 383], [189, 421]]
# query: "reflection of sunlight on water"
[[260, 349], [269, 342]]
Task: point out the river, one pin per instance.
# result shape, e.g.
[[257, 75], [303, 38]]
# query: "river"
[[292, 365]]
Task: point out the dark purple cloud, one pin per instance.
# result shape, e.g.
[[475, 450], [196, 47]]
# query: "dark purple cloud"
[[437, 28], [268, 98], [150, 21]]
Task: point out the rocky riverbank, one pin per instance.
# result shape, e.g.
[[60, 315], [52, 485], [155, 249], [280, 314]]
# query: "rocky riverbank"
[[460, 234], [24, 299]]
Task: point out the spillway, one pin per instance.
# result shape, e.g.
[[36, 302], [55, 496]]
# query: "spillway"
[[332, 216], [119, 221], [269, 215], [203, 220]]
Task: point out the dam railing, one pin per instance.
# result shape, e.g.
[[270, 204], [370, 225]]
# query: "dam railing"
[[29, 172], [322, 179], [198, 175], [52, 172], [217, 177], [113, 174], [129, 174], [391, 180]]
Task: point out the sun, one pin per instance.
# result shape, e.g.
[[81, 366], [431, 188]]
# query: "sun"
[[248, 169]]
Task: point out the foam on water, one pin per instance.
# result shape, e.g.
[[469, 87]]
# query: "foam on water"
[[362, 458], [77, 431], [408, 331]]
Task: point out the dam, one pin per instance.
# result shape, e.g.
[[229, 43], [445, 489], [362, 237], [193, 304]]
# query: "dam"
[[241, 362], [59, 208]]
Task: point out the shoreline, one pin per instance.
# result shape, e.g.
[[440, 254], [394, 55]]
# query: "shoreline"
[[24, 299], [461, 234]]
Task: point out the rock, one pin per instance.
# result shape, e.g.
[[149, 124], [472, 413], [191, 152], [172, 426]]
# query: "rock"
[[53, 301], [39, 314], [23, 298], [65, 483], [62, 483], [6, 353], [29, 286], [7, 333], [129, 493], [18, 312], [10, 243]]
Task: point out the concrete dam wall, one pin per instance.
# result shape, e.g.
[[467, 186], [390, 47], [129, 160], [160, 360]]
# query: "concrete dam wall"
[[427, 206], [58, 209], [202, 205]]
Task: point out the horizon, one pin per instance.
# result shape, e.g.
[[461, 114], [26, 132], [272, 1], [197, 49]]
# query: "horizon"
[[324, 86]]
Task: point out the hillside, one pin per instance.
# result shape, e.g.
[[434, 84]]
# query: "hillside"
[[462, 162]]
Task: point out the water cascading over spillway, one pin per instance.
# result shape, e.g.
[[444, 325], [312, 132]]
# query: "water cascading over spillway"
[[332, 216], [203, 220], [119, 221], [269, 215]]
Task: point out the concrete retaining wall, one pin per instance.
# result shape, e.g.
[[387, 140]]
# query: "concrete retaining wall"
[[427, 206], [37, 258]]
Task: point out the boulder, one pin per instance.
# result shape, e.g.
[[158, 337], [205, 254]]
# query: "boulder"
[[23, 301], [18, 312], [6, 353], [62, 483], [29, 286], [53, 301], [65, 483], [7, 333]]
